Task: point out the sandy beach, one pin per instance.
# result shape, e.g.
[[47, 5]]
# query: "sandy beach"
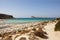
[[28, 30], [51, 33]]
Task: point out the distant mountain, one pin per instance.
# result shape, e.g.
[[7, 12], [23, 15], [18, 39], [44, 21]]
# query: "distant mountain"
[[5, 16]]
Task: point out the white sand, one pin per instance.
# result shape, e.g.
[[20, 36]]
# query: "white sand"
[[52, 35], [49, 28], [22, 36]]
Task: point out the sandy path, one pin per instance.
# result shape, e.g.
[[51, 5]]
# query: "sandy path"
[[50, 31]]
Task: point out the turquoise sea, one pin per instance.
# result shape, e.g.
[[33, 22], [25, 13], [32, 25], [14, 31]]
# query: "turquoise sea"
[[26, 20]]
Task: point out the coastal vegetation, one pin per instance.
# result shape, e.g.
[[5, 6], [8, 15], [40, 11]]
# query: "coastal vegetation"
[[57, 26], [58, 18]]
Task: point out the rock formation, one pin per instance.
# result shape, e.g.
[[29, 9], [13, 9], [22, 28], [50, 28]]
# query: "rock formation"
[[5, 16], [33, 17]]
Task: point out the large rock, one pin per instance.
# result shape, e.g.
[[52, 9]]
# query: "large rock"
[[5, 16]]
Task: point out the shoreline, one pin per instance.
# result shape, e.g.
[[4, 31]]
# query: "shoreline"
[[22, 21]]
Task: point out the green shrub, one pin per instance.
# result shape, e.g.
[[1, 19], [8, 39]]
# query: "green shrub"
[[58, 18], [57, 26]]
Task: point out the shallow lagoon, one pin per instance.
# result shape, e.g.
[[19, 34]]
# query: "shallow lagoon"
[[26, 20]]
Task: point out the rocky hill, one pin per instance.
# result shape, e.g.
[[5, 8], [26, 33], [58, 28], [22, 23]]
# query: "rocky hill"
[[5, 16]]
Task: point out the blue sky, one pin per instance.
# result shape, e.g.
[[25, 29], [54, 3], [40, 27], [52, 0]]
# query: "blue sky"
[[27, 8]]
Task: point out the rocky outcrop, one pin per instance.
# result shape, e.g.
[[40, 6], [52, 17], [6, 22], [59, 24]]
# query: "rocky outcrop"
[[5, 16], [33, 17]]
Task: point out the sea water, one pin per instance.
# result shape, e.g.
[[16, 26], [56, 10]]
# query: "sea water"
[[26, 20]]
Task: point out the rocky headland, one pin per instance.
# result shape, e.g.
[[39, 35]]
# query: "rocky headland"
[[5, 16]]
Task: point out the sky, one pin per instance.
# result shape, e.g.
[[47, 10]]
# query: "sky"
[[28, 8]]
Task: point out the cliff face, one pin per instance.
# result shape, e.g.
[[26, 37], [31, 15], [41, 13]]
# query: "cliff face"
[[5, 16]]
